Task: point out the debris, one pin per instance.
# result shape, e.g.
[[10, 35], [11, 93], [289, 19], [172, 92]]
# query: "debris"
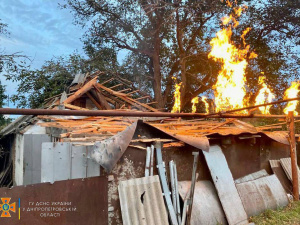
[[252, 176], [261, 194], [147, 172], [191, 197], [224, 183], [163, 180], [287, 167], [207, 208], [278, 170], [151, 160], [142, 201]]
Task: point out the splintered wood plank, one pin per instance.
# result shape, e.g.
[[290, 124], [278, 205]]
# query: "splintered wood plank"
[[224, 183], [69, 106], [144, 105], [109, 90], [102, 99], [94, 101]]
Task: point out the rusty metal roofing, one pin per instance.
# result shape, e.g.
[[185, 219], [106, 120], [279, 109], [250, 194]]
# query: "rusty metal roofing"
[[199, 142], [279, 136], [142, 202], [195, 134]]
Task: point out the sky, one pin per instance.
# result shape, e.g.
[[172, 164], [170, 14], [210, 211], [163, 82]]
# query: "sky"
[[38, 29]]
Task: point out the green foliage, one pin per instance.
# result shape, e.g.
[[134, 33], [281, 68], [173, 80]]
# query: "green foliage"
[[51, 79], [54, 77], [2, 99]]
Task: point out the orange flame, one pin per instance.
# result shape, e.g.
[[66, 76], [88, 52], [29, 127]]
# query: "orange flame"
[[292, 92], [194, 101], [265, 95], [177, 103], [230, 87], [204, 99]]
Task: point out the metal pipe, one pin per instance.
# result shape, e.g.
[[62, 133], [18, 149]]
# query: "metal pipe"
[[147, 167], [185, 206], [164, 183], [57, 112], [177, 194], [171, 165], [291, 125], [191, 199], [151, 161]]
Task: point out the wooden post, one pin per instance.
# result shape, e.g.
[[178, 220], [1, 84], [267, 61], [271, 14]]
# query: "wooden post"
[[291, 127]]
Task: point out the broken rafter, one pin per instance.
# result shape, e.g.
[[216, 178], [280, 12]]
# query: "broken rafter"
[[118, 85], [102, 99], [127, 89], [69, 106], [130, 93], [94, 101], [109, 90], [142, 97], [81, 91], [107, 81], [143, 105]]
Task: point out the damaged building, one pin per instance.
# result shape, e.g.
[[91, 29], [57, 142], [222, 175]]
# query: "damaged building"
[[150, 170]]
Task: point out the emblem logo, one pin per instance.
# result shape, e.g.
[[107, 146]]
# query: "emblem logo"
[[5, 207]]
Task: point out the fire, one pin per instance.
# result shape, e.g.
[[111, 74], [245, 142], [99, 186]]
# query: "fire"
[[291, 92], [177, 103], [265, 95], [230, 86], [204, 99], [194, 101]]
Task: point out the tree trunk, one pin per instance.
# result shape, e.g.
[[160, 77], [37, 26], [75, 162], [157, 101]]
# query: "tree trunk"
[[157, 75], [182, 54]]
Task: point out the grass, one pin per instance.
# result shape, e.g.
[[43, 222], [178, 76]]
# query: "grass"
[[289, 215]]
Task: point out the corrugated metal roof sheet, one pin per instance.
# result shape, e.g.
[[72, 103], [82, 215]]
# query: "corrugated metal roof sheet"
[[261, 194], [196, 135], [15, 125], [252, 176], [79, 78], [142, 202], [280, 136]]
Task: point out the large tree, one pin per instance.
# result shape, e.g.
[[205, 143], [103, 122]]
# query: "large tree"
[[171, 38], [160, 36]]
